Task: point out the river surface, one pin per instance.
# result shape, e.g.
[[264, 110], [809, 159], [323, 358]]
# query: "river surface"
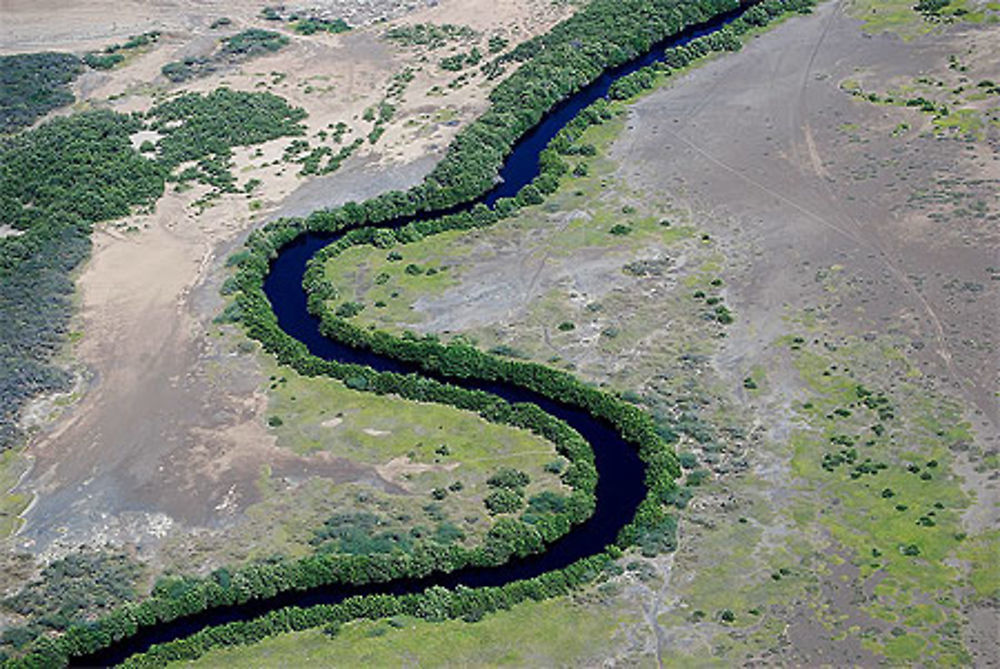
[[620, 485]]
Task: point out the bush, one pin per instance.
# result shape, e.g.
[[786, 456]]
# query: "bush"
[[508, 477], [504, 500], [349, 309], [253, 41], [103, 61], [688, 460], [547, 502]]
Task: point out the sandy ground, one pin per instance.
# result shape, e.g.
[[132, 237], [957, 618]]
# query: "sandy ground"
[[170, 433], [52, 25]]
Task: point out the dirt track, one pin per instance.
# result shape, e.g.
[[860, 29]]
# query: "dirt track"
[[787, 180]]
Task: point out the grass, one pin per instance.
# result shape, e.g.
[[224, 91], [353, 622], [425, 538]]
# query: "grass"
[[324, 415], [895, 16], [899, 17], [550, 633], [901, 525], [418, 446], [12, 465], [980, 553], [966, 122]]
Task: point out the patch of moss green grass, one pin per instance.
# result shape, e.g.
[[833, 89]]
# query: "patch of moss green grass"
[[12, 465], [885, 456], [418, 447], [554, 632]]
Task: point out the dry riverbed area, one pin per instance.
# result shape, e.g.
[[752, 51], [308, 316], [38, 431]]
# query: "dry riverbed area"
[[801, 280]]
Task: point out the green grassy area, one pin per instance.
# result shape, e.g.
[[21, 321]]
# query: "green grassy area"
[[419, 447], [895, 16], [900, 525], [555, 632], [324, 415], [900, 17], [965, 122], [12, 465]]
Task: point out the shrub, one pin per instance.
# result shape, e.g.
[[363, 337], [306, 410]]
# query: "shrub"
[[508, 477], [32, 84], [349, 309], [688, 460], [504, 500]]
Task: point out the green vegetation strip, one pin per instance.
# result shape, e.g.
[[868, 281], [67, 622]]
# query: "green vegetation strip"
[[239, 47]]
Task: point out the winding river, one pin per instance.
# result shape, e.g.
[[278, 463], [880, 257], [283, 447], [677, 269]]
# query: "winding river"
[[620, 485]]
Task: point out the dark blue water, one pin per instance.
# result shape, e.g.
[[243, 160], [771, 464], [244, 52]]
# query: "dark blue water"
[[620, 486]]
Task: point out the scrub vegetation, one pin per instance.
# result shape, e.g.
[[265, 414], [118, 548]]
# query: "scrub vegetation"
[[114, 55], [237, 48], [429, 35], [32, 84]]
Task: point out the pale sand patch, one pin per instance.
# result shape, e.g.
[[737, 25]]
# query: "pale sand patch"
[[394, 470]]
